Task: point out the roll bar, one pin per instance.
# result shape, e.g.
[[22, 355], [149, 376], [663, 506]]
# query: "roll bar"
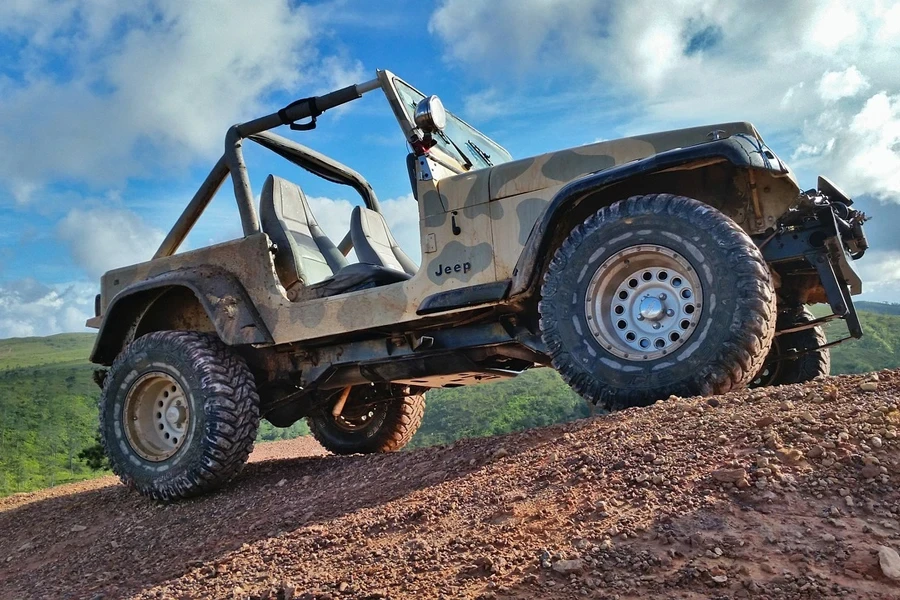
[[232, 161]]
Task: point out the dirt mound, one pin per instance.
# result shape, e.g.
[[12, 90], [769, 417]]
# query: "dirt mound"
[[788, 492]]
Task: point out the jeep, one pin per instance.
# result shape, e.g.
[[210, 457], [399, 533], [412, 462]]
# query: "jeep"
[[678, 262]]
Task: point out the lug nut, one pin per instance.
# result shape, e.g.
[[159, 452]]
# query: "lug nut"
[[662, 296], [656, 326], [670, 313]]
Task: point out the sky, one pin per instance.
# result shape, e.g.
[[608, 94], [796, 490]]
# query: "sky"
[[112, 113]]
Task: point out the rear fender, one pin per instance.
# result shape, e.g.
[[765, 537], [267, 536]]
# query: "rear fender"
[[226, 305]]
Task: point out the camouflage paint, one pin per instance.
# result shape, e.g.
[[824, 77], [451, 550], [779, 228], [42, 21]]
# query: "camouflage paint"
[[479, 222], [460, 262]]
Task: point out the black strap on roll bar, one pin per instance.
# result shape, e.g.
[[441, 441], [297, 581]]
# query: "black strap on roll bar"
[[313, 113]]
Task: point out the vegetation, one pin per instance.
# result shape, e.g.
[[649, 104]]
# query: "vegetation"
[[534, 399], [48, 401], [48, 411]]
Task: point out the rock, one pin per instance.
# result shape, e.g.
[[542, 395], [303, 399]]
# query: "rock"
[[722, 439], [281, 483], [762, 462], [868, 386], [789, 455], [77, 528], [786, 405], [720, 578], [288, 591], [765, 421], [568, 566], [889, 561], [828, 538], [343, 586], [500, 452], [816, 452], [729, 475], [876, 442], [26, 546], [869, 471]]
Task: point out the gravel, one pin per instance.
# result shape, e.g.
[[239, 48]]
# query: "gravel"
[[738, 498]]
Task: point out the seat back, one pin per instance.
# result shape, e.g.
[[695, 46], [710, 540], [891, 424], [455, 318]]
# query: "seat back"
[[305, 255], [374, 243]]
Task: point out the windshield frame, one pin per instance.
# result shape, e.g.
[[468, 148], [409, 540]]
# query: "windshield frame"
[[459, 141]]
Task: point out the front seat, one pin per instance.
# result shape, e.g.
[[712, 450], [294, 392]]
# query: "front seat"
[[307, 262], [375, 244], [305, 255]]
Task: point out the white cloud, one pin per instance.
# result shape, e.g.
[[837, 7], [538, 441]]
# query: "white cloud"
[[880, 270], [835, 85], [105, 238], [800, 71], [108, 90], [861, 150], [29, 308]]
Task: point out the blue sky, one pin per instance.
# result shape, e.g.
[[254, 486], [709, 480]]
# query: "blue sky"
[[111, 113]]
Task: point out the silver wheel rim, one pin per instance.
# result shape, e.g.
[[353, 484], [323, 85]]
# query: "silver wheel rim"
[[643, 302], [156, 416]]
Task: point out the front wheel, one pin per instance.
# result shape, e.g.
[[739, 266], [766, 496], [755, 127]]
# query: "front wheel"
[[657, 295], [374, 419], [178, 414]]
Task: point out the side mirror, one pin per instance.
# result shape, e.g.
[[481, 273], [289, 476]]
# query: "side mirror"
[[430, 115]]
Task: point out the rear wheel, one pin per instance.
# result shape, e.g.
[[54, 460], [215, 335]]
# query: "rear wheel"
[[657, 295], [178, 414], [778, 370], [373, 420]]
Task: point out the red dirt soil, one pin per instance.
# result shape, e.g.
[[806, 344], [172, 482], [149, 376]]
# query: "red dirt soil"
[[788, 492]]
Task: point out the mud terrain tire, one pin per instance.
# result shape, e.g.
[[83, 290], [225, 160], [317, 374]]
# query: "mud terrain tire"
[[391, 426], [666, 240], [804, 368], [178, 382]]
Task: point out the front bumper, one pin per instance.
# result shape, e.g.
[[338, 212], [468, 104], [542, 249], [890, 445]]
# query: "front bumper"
[[819, 239]]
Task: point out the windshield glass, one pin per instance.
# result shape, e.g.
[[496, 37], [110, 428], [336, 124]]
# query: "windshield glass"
[[458, 139]]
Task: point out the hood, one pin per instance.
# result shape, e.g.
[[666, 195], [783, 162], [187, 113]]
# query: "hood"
[[563, 166]]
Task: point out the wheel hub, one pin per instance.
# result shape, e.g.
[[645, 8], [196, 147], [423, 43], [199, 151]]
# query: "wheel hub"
[[651, 308], [643, 302], [156, 416]]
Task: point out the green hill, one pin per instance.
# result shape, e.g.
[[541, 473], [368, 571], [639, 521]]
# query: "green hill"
[[881, 308], [48, 400], [48, 410]]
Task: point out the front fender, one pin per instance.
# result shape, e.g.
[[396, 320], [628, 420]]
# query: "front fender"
[[742, 151], [223, 298]]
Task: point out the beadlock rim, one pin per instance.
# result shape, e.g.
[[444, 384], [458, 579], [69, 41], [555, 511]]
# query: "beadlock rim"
[[643, 302], [156, 416]]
